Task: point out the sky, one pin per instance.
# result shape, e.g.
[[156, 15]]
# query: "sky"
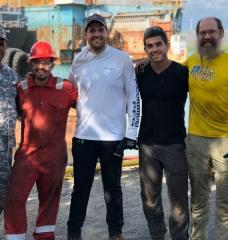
[[196, 9]]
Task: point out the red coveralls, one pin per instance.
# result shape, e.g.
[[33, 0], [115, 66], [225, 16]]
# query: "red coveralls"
[[41, 157]]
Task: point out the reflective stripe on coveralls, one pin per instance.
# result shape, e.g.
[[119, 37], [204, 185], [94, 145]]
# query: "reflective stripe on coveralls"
[[48, 228], [58, 85], [15, 237]]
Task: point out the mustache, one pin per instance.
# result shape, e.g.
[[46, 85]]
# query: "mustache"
[[208, 52], [99, 38], [154, 52], [213, 43], [41, 69]]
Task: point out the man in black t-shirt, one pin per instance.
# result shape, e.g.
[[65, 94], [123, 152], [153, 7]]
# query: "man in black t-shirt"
[[163, 85]]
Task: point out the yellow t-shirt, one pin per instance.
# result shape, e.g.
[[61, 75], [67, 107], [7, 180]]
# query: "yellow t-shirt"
[[208, 90]]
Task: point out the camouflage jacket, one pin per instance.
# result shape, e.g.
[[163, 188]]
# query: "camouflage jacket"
[[8, 113]]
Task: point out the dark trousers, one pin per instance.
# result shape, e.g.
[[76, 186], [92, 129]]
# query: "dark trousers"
[[153, 160], [5, 169], [86, 154]]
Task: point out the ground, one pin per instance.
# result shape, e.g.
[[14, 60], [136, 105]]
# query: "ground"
[[95, 228]]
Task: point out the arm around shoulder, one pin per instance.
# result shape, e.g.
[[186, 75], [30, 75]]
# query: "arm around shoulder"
[[73, 93]]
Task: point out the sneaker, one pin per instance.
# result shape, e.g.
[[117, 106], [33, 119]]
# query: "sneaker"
[[73, 236], [116, 237]]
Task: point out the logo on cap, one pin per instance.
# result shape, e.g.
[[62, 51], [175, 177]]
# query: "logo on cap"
[[95, 18]]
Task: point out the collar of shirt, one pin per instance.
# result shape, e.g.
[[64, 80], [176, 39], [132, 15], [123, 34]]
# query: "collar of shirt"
[[50, 83]]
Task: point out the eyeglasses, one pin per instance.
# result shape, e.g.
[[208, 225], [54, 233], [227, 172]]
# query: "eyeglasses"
[[210, 32], [47, 62]]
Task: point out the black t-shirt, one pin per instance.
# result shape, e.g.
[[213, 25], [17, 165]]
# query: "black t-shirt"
[[163, 99]]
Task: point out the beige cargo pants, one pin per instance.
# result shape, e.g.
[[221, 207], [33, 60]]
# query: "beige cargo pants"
[[207, 163]]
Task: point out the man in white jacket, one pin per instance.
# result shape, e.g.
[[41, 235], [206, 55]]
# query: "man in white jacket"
[[106, 83]]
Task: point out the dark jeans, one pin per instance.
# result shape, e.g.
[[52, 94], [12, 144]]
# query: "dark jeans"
[[86, 154], [153, 160]]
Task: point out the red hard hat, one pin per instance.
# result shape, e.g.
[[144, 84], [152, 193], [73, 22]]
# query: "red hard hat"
[[42, 50]]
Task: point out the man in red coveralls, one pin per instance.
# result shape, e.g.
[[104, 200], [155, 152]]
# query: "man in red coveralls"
[[44, 102]]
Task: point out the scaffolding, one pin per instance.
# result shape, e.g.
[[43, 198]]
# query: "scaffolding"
[[11, 17]]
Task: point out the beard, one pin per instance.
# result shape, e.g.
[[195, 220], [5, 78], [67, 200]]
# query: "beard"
[[209, 51], [41, 75], [97, 47]]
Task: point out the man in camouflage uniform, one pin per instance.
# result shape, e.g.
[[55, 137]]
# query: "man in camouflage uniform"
[[8, 115]]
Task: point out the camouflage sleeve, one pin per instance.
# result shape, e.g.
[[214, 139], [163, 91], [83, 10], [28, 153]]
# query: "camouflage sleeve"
[[14, 77]]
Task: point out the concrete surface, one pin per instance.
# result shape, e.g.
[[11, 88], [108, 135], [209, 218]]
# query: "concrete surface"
[[95, 228]]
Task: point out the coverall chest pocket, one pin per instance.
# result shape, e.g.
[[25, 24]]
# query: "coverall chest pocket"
[[59, 107]]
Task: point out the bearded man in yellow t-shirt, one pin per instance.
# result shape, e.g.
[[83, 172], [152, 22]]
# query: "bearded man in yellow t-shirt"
[[207, 141]]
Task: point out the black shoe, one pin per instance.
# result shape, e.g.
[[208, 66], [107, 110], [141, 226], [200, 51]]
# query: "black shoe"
[[73, 236]]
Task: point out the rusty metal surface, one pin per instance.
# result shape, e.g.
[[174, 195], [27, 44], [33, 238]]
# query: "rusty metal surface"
[[77, 36], [25, 3], [138, 2], [121, 2], [130, 38]]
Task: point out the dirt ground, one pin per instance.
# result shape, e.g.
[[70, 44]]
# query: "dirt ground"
[[95, 228]]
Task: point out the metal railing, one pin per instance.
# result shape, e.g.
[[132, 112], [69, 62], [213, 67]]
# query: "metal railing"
[[10, 10], [12, 24], [17, 20]]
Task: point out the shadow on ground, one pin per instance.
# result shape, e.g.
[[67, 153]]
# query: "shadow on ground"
[[95, 228]]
